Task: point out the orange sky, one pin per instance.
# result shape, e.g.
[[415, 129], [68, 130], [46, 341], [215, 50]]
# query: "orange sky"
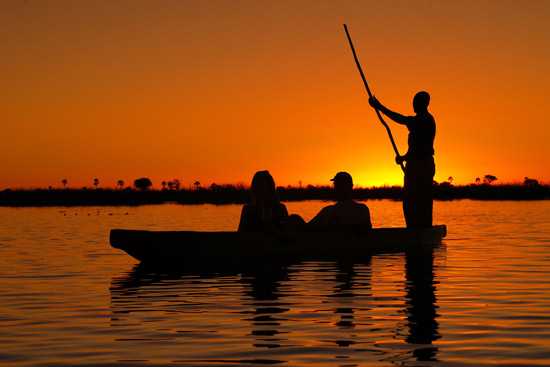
[[215, 90]]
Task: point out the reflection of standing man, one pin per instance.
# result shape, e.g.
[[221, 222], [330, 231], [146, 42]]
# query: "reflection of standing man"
[[421, 304], [420, 167]]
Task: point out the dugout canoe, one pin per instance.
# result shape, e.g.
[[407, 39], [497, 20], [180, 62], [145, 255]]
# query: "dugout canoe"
[[190, 246]]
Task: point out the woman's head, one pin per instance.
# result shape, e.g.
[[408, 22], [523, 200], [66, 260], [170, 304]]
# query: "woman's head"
[[263, 189]]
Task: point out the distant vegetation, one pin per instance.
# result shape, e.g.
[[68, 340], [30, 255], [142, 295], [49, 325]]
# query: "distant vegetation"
[[143, 184], [172, 191]]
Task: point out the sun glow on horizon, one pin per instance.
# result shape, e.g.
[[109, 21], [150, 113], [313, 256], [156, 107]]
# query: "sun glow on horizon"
[[191, 91]]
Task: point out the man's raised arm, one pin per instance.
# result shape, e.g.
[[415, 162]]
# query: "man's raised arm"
[[397, 117]]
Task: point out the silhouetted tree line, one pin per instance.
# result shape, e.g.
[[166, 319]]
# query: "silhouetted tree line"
[[142, 193]]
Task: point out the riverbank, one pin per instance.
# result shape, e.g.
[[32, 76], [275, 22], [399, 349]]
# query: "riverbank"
[[226, 194]]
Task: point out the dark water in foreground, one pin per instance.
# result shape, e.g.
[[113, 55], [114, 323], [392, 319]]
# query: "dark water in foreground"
[[483, 298]]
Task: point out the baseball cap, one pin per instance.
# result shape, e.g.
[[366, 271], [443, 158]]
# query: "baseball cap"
[[342, 177]]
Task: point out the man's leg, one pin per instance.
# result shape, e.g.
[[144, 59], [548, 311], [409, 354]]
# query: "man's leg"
[[407, 205], [425, 194], [410, 200], [425, 210], [418, 197]]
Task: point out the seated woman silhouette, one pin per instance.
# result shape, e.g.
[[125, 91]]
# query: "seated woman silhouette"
[[264, 213]]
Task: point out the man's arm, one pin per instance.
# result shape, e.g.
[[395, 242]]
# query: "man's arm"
[[365, 218], [397, 117], [320, 220]]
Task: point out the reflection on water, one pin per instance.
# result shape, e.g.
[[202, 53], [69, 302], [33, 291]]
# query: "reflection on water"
[[261, 284], [482, 299], [266, 291], [343, 289], [421, 304]]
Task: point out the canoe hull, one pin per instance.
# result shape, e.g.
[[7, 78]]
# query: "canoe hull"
[[190, 246]]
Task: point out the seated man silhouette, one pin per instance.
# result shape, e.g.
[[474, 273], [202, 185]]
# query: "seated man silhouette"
[[347, 214]]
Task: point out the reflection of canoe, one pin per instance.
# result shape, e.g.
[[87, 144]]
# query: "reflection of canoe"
[[187, 246]]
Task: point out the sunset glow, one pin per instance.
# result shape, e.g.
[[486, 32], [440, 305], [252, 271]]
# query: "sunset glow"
[[213, 91]]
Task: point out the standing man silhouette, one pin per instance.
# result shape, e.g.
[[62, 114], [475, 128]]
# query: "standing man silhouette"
[[420, 166]]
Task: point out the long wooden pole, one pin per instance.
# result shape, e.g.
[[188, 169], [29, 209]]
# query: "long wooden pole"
[[370, 94]]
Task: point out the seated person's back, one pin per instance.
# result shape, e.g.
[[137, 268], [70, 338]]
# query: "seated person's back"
[[343, 215], [346, 214], [258, 219], [264, 212]]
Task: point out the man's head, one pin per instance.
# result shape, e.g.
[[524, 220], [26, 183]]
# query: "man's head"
[[343, 185], [421, 101]]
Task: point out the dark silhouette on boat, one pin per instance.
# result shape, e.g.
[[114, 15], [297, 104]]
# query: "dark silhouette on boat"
[[180, 247], [420, 165], [265, 212], [346, 215]]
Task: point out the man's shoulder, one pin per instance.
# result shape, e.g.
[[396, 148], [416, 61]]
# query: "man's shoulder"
[[427, 118], [421, 122], [423, 117], [361, 206], [329, 208], [324, 215], [328, 211], [350, 205]]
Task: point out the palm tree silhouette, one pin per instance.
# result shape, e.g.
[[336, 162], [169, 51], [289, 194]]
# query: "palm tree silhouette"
[[64, 182], [120, 184], [96, 182], [163, 184], [197, 185]]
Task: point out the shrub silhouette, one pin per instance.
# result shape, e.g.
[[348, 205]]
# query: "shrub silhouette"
[[489, 179], [530, 182], [143, 183], [143, 193]]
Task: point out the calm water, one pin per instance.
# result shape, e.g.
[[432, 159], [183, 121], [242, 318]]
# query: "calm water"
[[483, 298]]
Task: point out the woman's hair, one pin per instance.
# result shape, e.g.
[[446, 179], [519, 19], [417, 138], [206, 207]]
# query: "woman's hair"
[[263, 190]]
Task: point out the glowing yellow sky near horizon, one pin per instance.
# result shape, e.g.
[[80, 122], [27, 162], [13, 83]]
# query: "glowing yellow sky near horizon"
[[215, 90]]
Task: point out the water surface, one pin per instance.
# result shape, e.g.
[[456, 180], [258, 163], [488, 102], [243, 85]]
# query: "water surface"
[[483, 298]]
